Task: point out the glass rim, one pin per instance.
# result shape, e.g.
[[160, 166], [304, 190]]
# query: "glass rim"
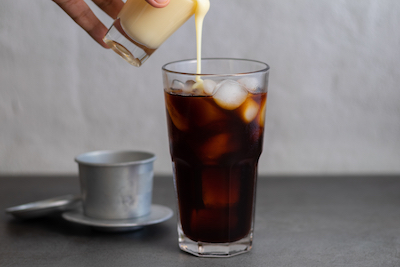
[[194, 60]]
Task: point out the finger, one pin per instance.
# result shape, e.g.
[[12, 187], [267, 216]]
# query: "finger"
[[110, 7], [80, 12], [158, 3]]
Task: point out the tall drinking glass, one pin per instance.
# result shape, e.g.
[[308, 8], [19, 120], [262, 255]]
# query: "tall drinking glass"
[[216, 126]]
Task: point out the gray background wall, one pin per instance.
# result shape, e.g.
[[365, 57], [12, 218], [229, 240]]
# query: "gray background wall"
[[333, 103]]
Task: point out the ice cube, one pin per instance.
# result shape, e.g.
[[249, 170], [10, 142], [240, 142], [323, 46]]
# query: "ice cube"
[[249, 110], [188, 87], [177, 85], [207, 113], [178, 119], [198, 91], [209, 86], [216, 146], [229, 94], [250, 83]]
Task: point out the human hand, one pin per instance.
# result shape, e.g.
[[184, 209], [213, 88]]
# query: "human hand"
[[80, 12]]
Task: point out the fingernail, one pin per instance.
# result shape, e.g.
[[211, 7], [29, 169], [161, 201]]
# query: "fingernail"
[[161, 1]]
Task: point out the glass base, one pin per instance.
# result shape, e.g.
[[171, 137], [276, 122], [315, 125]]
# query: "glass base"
[[127, 48], [215, 250]]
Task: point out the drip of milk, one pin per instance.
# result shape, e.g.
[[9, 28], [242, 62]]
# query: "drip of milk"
[[201, 10]]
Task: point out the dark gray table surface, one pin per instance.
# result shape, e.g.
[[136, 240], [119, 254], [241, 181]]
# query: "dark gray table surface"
[[300, 221]]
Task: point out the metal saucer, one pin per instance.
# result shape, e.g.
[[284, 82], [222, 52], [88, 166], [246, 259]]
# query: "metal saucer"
[[157, 215]]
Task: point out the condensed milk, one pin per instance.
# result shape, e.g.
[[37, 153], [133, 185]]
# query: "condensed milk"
[[141, 28]]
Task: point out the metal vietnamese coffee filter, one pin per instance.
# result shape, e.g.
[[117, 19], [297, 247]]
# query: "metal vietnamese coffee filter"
[[116, 194]]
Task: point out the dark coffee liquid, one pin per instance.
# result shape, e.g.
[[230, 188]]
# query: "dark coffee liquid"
[[215, 153]]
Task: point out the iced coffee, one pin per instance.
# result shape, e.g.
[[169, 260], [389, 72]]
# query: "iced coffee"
[[216, 138]]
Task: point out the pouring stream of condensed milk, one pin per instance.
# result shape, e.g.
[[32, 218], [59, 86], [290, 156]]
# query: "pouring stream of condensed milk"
[[201, 10]]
